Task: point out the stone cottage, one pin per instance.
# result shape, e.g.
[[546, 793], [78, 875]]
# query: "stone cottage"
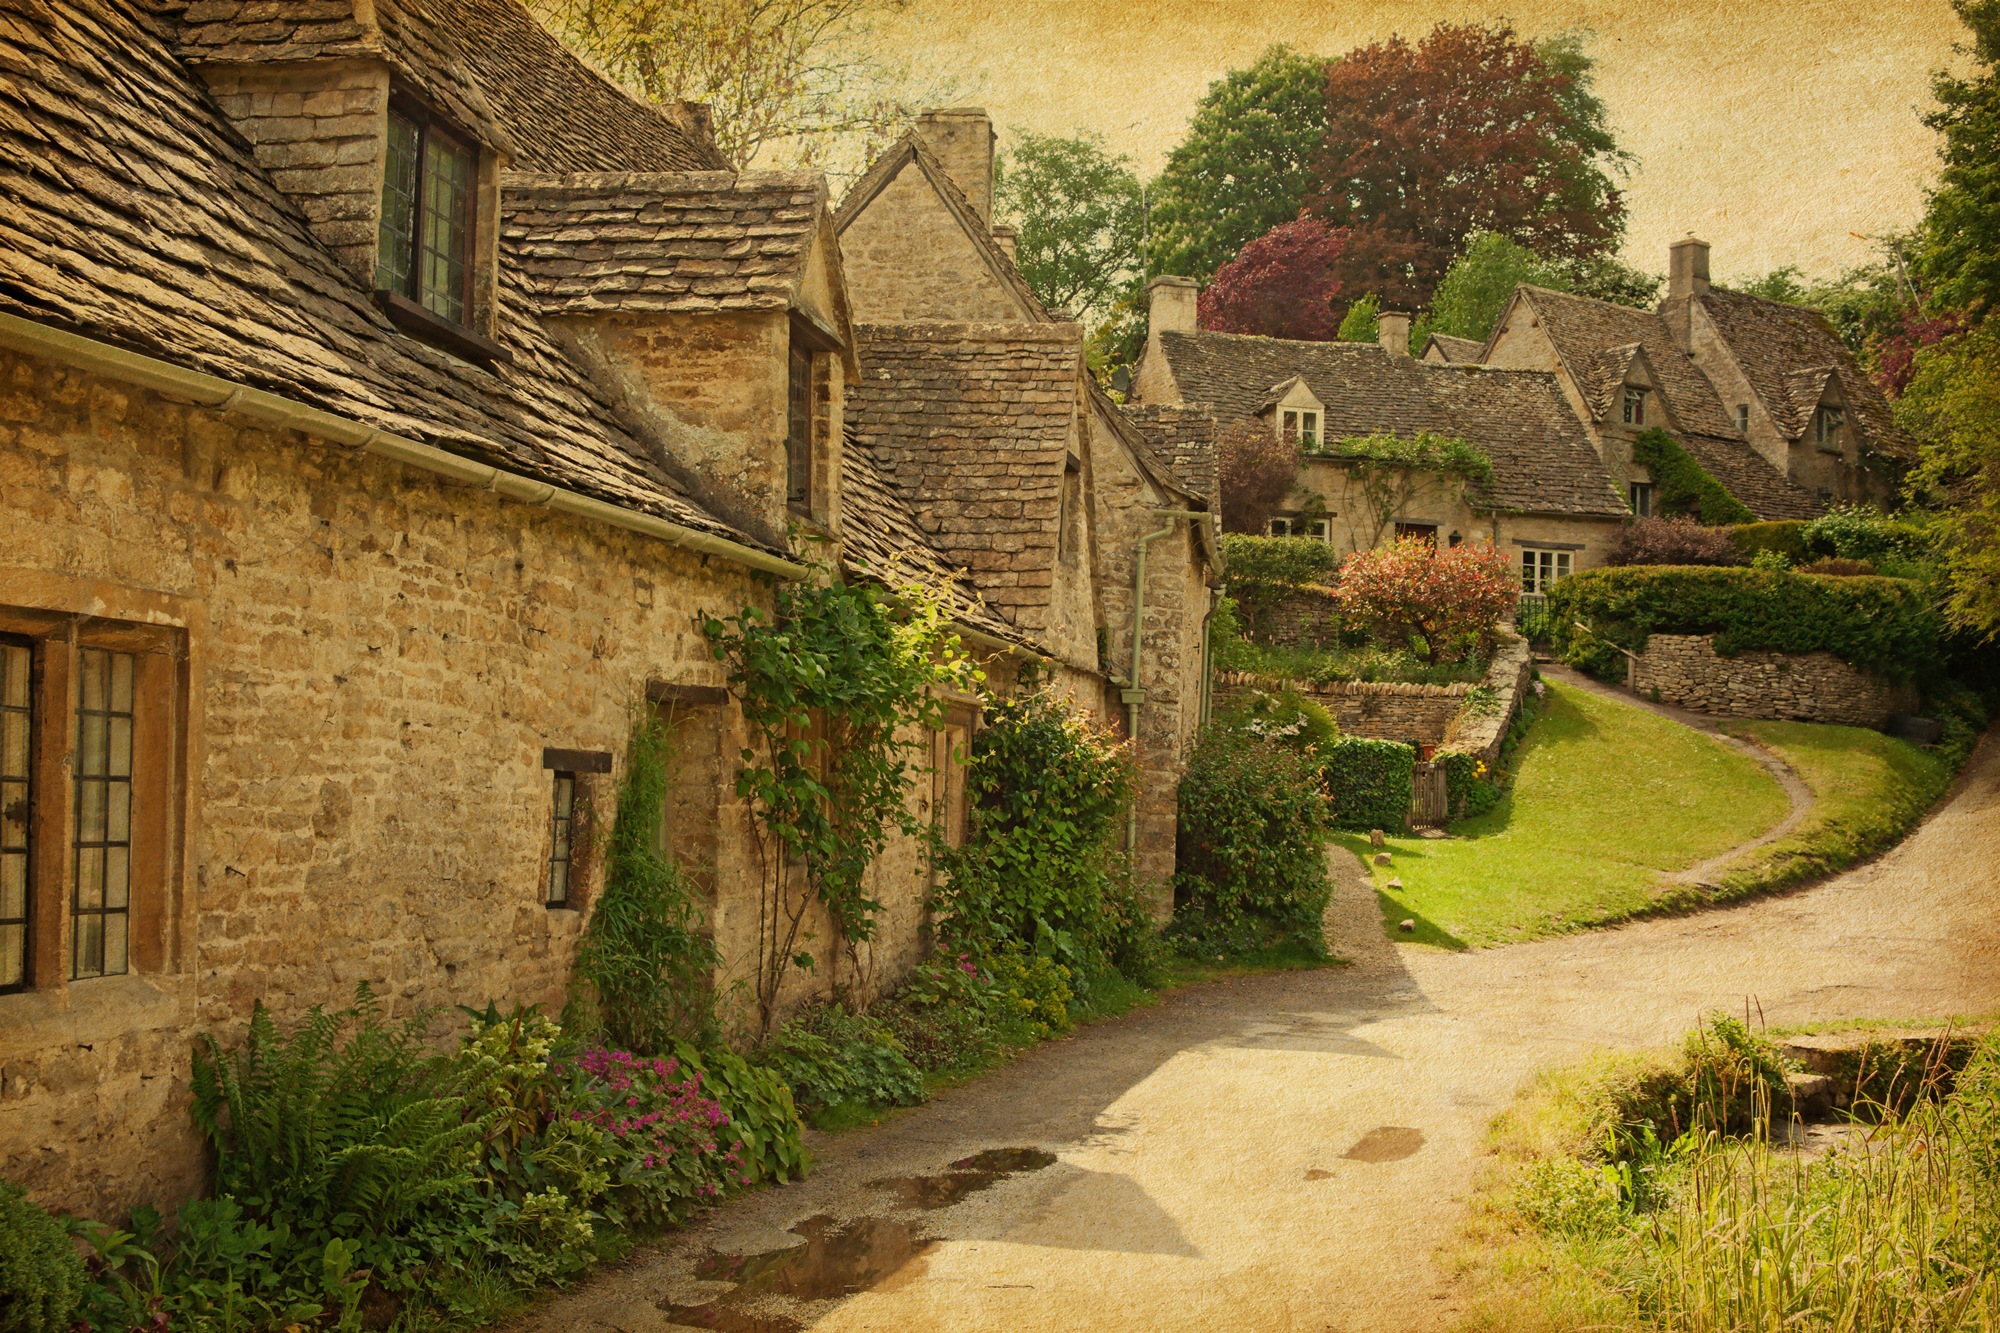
[[1551, 504], [383, 395], [978, 405]]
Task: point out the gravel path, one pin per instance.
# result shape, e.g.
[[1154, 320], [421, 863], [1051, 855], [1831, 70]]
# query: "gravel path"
[[1289, 1152]]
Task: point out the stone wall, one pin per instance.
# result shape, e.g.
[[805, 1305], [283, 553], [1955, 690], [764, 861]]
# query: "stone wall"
[[1305, 619], [895, 250], [1482, 733], [370, 661], [1374, 710], [1684, 670]]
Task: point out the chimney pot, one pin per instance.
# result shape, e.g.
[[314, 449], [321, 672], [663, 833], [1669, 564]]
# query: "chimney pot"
[[1005, 238], [1687, 268], [1170, 305], [962, 137], [1392, 330]]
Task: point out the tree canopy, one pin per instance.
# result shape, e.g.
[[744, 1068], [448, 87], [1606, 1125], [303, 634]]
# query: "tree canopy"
[[1281, 286], [1476, 287], [1468, 130], [1245, 165], [1962, 227], [1078, 218]]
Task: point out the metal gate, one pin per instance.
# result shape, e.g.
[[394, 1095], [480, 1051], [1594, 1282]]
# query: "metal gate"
[[1430, 800]]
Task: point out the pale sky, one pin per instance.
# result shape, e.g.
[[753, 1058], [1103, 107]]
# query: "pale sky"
[[1774, 130]]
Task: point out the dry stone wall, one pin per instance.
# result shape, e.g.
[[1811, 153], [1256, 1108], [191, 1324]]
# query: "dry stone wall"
[[1685, 670]]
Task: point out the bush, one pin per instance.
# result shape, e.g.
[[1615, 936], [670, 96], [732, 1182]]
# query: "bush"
[[1682, 487], [1882, 625], [1674, 541], [828, 1055], [1470, 789], [41, 1275], [1786, 538], [1444, 604], [1284, 718], [1859, 532], [763, 1130], [1261, 572], [1252, 844], [1369, 784], [1835, 567]]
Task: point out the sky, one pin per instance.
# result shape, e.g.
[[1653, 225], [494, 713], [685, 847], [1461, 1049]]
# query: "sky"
[[1780, 131]]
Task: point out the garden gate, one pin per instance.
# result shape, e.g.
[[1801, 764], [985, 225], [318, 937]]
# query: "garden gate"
[[1430, 800]]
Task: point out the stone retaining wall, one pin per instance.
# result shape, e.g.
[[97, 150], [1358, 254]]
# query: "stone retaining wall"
[[1482, 734], [1685, 670], [1306, 619]]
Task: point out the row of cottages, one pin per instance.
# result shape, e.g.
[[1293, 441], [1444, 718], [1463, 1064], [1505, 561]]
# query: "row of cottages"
[[385, 396], [1763, 395]]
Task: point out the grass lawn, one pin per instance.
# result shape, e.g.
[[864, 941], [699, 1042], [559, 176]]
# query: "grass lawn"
[[1870, 790], [1606, 798]]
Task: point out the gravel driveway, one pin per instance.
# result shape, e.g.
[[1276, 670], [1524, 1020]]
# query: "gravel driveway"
[[1287, 1152]]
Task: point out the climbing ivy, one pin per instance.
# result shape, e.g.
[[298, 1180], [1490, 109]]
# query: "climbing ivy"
[[1685, 487], [840, 689], [1389, 469]]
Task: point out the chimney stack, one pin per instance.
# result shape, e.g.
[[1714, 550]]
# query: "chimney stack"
[[1392, 330], [962, 137], [1170, 305], [1687, 268], [1004, 237]]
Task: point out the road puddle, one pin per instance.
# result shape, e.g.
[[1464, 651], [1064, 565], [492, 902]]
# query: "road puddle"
[[968, 1175], [837, 1258], [1386, 1143]]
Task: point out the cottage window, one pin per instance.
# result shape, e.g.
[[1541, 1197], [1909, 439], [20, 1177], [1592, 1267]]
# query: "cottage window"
[[562, 829], [1635, 406], [101, 901], [1319, 529], [424, 251], [1642, 498], [1743, 418], [799, 430], [1423, 532], [1826, 427], [1541, 569], [17, 744], [1300, 427]]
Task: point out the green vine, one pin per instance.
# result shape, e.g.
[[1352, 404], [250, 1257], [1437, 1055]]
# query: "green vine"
[[1389, 469], [842, 690], [1685, 487]]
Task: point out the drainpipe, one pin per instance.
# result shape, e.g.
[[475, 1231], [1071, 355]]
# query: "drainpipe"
[[1133, 696]]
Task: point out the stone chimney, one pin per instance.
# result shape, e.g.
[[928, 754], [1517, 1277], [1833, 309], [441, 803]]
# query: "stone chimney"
[[962, 138], [1004, 237], [1392, 330], [1170, 304], [1687, 268]]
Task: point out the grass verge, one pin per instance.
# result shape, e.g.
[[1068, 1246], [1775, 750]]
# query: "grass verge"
[[1869, 791], [1606, 798]]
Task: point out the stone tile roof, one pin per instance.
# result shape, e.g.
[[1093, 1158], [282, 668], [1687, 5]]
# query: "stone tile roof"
[[1542, 457], [1749, 476], [1183, 438], [487, 64], [132, 212], [1788, 353], [1455, 350], [909, 149], [883, 542], [672, 241], [972, 424], [1583, 329]]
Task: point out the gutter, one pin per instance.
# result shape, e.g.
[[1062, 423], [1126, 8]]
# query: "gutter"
[[1133, 696], [240, 400]]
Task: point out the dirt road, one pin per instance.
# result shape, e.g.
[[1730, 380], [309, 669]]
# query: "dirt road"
[[1287, 1152]]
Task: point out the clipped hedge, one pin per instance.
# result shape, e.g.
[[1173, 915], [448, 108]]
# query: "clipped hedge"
[[1787, 538], [1261, 572], [1369, 783], [1877, 624], [1683, 486]]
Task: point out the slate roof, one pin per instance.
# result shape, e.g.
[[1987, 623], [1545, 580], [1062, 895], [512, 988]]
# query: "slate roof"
[[1183, 438], [972, 424], [485, 63], [1584, 329], [1542, 458], [1749, 476], [1788, 353], [132, 212], [1455, 350], [668, 241]]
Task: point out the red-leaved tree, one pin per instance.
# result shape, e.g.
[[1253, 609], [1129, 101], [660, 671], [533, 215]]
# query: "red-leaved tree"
[[1281, 285], [1470, 130], [1451, 599], [1256, 471]]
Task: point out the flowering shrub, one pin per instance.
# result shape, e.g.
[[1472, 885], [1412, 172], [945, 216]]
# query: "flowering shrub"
[[661, 1139], [1451, 600], [829, 1055]]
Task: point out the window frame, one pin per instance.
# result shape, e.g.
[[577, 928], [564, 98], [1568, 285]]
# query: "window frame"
[[1300, 426], [1425, 532], [1635, 405], [1639, 496], [1542, 567], [29, 798], [1829, 419], [429, 126], [1322, 528], [1743, 418], [562, 841], [801, 421], [108, 780]]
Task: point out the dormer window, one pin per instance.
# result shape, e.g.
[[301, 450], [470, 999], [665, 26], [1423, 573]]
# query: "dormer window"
[[425, 251], [1743, 418], [799, 431], [1299, 426], [1826, 427], [1635, 406]]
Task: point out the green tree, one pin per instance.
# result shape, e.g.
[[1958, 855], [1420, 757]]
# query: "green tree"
[[1953, 405], [1962, 225], [1245, 165], [1079, 219], [1359, 324], [1479, 282]]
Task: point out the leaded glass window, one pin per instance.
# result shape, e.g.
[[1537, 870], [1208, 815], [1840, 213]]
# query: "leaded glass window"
[[424, 250], [101, 904], [17, 725], [561, 840], [798, 431]]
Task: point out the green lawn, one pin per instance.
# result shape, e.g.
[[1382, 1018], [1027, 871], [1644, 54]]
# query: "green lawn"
[[1869, 790], [1606, 798]]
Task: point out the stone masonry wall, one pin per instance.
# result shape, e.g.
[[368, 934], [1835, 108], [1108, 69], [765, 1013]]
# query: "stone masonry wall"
[[1374, 710], [1305, 619], [894, 252], [1685, 671], [374, 660]]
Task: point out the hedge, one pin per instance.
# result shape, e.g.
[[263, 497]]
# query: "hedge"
[[1370, 783], [1877, 624], [1683, 486], [1468, 790], [1260, 572], [1787, 538]]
